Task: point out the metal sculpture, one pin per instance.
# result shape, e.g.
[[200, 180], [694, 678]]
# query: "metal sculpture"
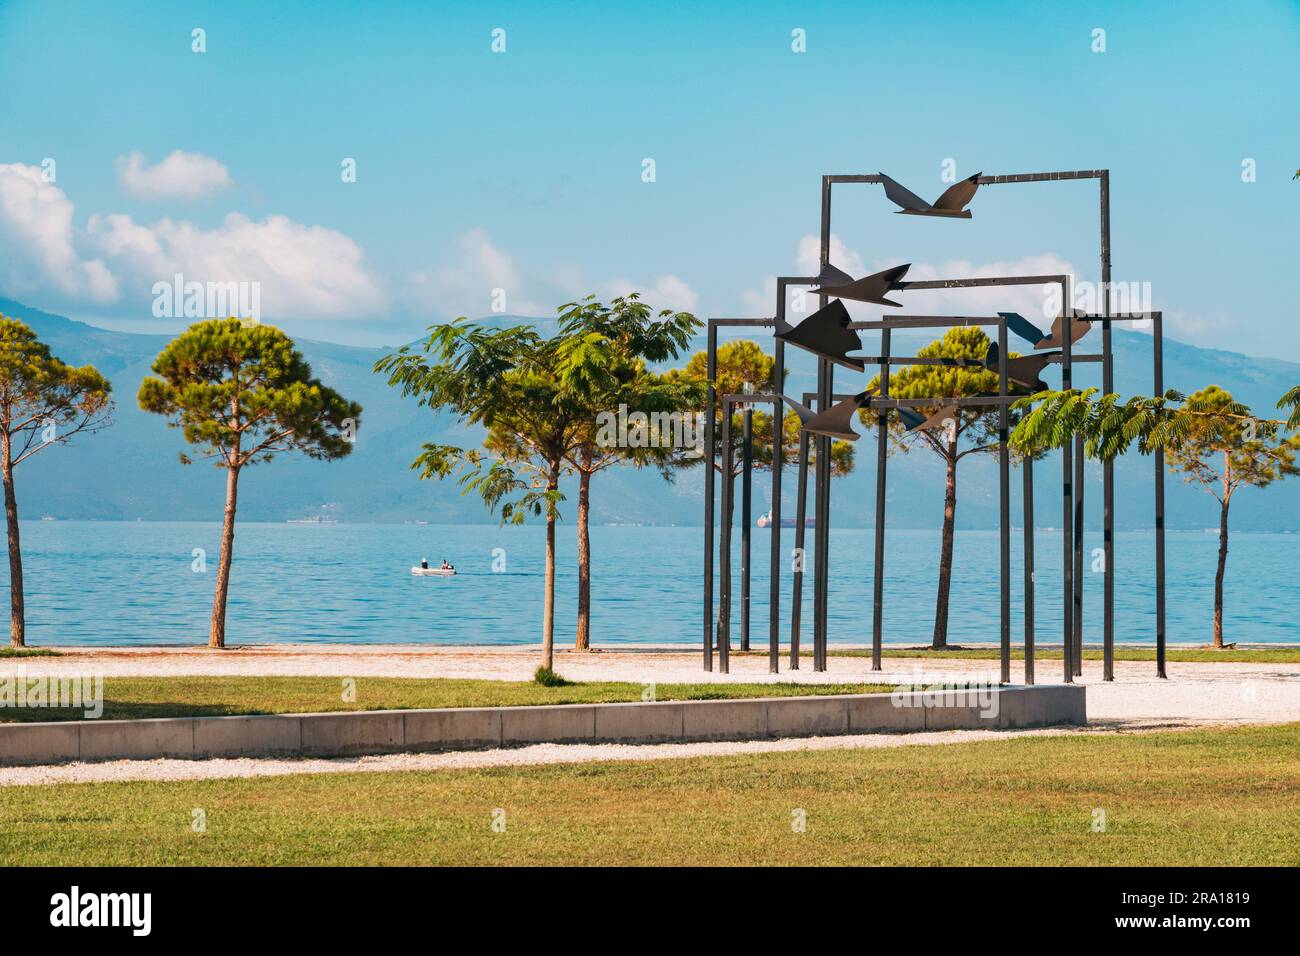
[[1017, 323], [836, 421], [832, 281], [825, 334], [950, 205], [1023, 369], [870, 288], [916, 422]]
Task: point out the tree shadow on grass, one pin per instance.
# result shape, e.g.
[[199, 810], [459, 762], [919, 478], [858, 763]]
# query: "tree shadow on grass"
[[122, 710]]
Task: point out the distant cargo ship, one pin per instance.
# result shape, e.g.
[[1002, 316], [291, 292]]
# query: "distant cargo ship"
[[765, 521]]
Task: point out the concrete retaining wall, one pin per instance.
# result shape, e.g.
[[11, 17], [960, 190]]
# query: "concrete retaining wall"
[[389, 731]]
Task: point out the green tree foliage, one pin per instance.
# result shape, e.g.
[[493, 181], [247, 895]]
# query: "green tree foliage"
[[601, 353], [1215, 442], [508, 381], [241, 394], [968, 431], [43, 402], [1291, 400]]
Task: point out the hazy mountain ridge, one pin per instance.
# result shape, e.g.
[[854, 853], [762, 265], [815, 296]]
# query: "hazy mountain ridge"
[[131, 469]]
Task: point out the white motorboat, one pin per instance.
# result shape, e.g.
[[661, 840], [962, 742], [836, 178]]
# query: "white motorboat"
[[433, 572]]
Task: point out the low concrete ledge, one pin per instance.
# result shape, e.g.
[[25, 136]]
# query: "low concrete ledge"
[[343, 733]]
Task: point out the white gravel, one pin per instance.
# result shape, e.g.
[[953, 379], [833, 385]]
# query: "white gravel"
[[1194, 695]]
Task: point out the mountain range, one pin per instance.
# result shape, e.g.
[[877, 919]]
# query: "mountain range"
[[131, 470]]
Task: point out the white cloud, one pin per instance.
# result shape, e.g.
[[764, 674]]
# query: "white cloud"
[[180, 175], [841, 257], [37, 242], [303, 271], [480, 276], [479, 268], [667, 292]]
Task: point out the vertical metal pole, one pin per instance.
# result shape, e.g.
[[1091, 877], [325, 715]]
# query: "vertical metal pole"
[[724, 578], [778, 439], [1108, 466], [711, 466], [801, 556], [882, 454], [825, 390], [746, 518], [1078, 555], [1159, 346], [1067, 500], [1004, 504], [1029, 568], [822, 566]]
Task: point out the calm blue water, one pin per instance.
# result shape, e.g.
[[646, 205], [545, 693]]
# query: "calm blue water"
[[109, 582]]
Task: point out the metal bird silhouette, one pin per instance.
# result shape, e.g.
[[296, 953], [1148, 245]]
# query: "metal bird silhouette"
[[1022, 369], [916, 422], [870, 288], [836, 421], [826, 334], [950, 205], [1034, 335]]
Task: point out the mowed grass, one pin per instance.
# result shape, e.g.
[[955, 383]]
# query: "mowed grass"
[[27, 652], [1216, 797], [1191, 655], [140, 697]]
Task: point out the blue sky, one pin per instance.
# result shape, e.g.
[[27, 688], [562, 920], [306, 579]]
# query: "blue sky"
[[522, 170]]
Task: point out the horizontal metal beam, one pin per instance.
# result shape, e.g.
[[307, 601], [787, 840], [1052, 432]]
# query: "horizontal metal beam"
[[959, 401], [1041, 177], [924, 322], [1122, 317], [715, 323], [918, 360], [982, 282]]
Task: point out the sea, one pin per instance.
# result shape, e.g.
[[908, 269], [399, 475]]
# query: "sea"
[[143, 583]]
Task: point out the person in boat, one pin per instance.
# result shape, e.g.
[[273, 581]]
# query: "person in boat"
[[424, 563], [445, 565]]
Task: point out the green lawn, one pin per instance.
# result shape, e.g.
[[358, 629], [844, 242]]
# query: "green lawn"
[[1221, 797], [27, 652], [138, 697]]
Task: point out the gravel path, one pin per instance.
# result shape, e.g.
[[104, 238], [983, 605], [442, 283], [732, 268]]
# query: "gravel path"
[[1194, 695]]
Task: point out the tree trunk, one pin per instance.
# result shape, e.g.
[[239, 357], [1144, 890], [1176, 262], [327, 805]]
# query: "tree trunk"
[[582, 640], [17, 620], [1218, 574], [548, 603], [217, 630], [940, 639]]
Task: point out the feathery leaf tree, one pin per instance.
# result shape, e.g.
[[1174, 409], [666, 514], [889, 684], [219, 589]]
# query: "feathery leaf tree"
[[43, 402], [601, 353], [241, 394], [506, 380]]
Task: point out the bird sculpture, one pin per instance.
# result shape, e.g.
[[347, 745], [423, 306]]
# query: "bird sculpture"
[[951, 205]]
